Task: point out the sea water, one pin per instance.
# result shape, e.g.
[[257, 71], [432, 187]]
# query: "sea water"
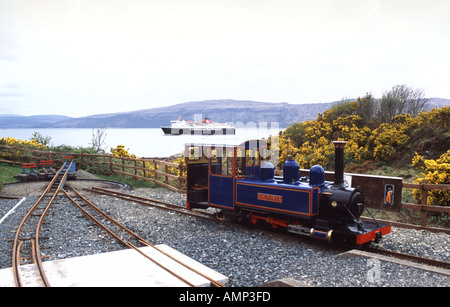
[[144, 142]]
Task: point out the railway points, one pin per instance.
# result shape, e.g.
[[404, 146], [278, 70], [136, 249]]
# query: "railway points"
[[36, 273]]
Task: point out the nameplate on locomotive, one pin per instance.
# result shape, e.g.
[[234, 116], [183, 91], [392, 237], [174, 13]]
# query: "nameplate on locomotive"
[[270, 197]]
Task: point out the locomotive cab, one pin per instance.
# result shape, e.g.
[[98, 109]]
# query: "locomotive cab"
[[197, 181]]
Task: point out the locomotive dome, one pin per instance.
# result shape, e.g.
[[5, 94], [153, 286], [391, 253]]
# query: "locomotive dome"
[[291, 171], [267, 172], [316, 175]]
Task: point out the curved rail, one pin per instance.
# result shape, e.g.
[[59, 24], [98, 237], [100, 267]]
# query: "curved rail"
[[153, 203], [35, 249], [417, 259], [137, 237], [143, 200]]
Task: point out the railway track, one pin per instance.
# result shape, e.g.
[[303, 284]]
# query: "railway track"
[[412, 258], [27, 241], [153, 203], [179, 209], [132, 236], [130, 240]]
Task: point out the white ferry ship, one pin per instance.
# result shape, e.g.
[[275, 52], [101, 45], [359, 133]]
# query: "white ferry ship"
[[205, 127]]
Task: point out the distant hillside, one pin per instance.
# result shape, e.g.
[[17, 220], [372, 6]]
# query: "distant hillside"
[[225, 110], [34, 121], [222, 110], [438, 102]]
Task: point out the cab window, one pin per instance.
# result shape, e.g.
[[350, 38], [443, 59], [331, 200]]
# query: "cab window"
[[221, 162], [246, 163]]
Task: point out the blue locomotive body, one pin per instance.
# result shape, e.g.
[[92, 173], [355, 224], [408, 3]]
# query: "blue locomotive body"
[[240, 181], [292, 200]]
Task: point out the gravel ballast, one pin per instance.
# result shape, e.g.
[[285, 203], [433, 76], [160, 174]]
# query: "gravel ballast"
[[248, 257]]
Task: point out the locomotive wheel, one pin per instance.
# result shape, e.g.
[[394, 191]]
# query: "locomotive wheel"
[[245, 219]]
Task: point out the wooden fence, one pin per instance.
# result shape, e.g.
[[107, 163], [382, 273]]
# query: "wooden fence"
[[424, 208], [173, 176], [159, 171]]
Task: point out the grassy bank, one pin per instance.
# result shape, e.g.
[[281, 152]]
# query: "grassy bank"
[[7, 173]]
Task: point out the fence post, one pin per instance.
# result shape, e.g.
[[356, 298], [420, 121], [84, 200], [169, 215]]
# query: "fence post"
[[156, 168], [423, 213], [166, 170], [123, 167], [180, 182]]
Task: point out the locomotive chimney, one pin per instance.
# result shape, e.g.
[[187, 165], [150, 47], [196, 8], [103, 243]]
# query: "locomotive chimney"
[[339, 162]]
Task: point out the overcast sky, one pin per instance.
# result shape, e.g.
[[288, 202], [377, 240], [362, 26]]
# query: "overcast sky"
[[82, 57]]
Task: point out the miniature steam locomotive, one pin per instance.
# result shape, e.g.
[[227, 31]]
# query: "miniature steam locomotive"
[[239, 180]]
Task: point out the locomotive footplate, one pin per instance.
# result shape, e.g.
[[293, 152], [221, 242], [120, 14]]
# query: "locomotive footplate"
[[351, 235], [372, 231]]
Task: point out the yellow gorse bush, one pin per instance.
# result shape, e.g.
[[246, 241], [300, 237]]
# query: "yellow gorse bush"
[[10, 154], [176, 170], [23, 143], [120, 151], [383, 142], [378, 144], [386, 139], [435, 172]]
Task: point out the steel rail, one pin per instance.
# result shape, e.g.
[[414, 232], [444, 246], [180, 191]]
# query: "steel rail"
[[97, 222], [137, 197], [17, 245], [213, 282], [128, 244], [160, 265], [141, 240], [409, 257], [41, 220], [434, 262], [147, 202]]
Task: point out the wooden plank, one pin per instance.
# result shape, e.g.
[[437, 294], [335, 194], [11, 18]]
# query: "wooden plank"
[[427, 186], [426, 207]]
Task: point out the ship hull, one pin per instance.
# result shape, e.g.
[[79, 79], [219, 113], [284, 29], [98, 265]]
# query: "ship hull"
[[198, 131]]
